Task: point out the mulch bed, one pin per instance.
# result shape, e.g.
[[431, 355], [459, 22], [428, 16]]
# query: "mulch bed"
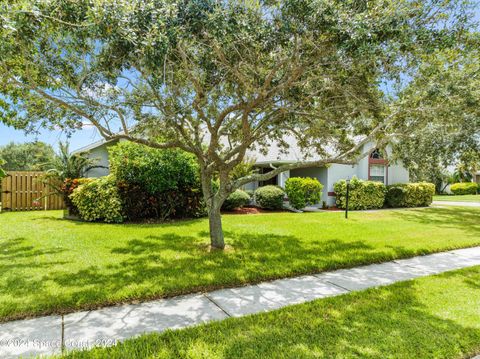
[[251, 210]]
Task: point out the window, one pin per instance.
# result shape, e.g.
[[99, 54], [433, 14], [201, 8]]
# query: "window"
[[377, 173], [376, 154]]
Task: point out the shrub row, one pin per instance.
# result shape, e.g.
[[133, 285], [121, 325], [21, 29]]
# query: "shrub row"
[[410, 194], [374, 195], [362, 194], [464, 188]]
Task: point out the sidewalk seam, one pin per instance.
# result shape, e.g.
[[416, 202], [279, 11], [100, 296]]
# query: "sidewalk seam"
[[217, 305]]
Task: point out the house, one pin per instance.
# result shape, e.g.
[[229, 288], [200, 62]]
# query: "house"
[[476, 177], [374, 167]]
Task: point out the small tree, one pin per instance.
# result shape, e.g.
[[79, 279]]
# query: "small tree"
[[218, 78]]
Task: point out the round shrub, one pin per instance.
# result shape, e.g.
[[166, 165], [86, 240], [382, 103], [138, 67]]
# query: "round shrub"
[[269, 197], [410, 194], [303, 192], [464, 188], [362, 195], [236, 199], [98, 200]]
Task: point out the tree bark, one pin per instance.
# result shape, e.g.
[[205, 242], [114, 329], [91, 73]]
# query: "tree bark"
[[216, 231]]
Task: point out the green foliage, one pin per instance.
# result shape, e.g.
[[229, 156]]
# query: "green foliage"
[[156, 183], [245, 168], [67, 188], [464, 188], [270, 197], [154, 170], [362, 194], [32, 156], [98, 200], [236, 199], [410, 194], [302, 192], [3, 173]]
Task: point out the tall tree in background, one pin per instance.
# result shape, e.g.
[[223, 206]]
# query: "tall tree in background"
[[31, 156], [219, 78], [439, 125]]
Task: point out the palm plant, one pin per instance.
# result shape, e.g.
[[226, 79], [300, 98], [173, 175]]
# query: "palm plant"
[[65, 170]]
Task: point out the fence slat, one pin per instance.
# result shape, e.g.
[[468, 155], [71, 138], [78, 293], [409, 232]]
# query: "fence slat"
[[20, 189]]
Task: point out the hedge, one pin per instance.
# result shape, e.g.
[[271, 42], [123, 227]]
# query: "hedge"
[[236, 199], [269, 197], [156, 183], [410, 194], [363, 194], [464, 188], [302, 192], [98, 200]]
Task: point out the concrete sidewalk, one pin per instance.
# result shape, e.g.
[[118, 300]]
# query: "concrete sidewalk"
[[107, 326], [451, 203]]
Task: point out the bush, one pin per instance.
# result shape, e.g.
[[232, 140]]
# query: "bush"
[[236, 199], [98, 200], [464, 188], [156, 183], [302, 192], [363, 194], [67, 188], [270, 197], [410, 194]]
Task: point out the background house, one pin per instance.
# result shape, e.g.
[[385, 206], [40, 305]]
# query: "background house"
[[374, 167]]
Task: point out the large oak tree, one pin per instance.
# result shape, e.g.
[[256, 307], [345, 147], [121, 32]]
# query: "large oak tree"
[[218, 78]]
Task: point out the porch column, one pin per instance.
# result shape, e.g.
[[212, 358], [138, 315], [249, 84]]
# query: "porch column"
[[282, 178]]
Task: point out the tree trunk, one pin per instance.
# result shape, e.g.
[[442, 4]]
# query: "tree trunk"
[[216, 231], [214, 203]]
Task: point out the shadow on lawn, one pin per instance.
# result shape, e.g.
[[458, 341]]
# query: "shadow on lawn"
[[394, 322], [171, 264]]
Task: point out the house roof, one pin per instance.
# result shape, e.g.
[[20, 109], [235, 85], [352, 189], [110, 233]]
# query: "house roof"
[[94, 145], [275, 155]]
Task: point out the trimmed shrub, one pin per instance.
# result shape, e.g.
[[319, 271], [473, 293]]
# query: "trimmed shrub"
[[67, 188], [410, 194], [269, 197], [98, 200], [464, 188], [363, 194], [156, 183], [302, 192], [236, 199]]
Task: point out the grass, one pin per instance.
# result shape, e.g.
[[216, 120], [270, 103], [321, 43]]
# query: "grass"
[[431, 317], [50, 265], [453, 198]]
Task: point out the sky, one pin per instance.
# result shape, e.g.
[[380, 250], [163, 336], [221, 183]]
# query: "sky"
[[80, 138]]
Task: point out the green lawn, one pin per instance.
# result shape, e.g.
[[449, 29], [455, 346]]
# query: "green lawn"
[[452, 198], [50, 265], [431, 317]]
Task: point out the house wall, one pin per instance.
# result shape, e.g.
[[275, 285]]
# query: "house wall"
[[100, 153], [397, 174], [336, 173]]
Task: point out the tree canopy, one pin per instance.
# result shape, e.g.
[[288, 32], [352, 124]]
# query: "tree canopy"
[[219, 78], [31, 156]]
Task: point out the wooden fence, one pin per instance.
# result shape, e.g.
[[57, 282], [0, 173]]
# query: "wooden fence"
[[25, 191]]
